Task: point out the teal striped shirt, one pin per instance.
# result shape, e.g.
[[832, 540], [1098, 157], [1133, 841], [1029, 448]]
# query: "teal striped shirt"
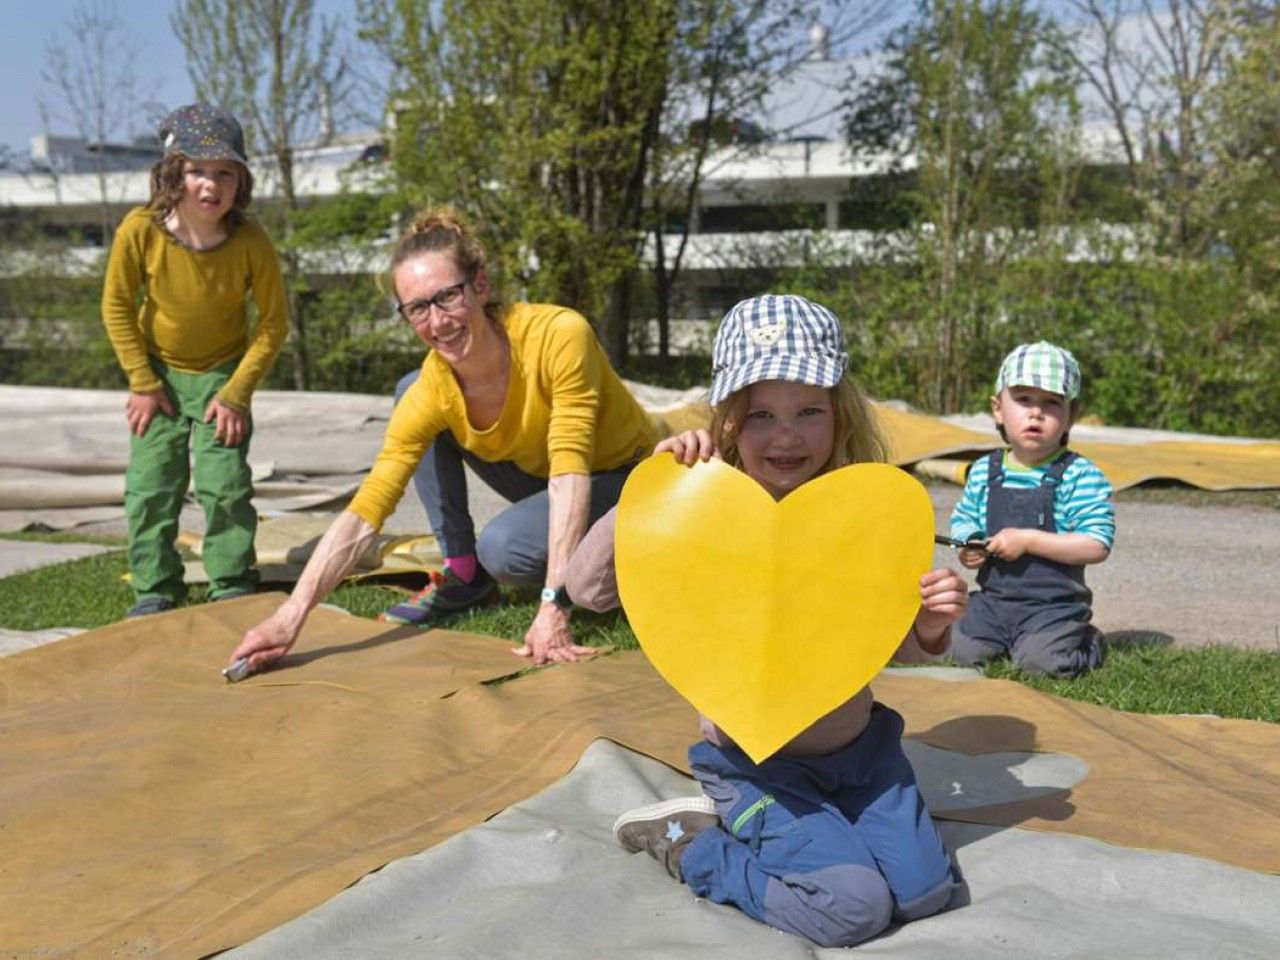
[[1082, 503]]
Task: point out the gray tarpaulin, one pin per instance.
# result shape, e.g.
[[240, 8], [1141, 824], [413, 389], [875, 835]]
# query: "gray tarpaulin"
[[545, 879]]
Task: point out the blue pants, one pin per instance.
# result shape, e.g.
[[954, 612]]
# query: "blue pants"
[[832, 848], [513, 546]]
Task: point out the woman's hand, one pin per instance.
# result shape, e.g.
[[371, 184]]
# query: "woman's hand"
[[689, 447], [232, 426], [271, 639], [140, 409], [944, 597], [549, 640], [336, 555]]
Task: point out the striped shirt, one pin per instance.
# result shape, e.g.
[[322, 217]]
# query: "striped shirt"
[[1082, 504]]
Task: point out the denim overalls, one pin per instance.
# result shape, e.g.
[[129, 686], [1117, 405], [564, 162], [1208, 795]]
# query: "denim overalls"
[[1035, 610]]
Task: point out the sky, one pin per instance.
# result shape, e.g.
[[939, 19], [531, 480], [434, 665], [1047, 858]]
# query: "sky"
[[27, 28]]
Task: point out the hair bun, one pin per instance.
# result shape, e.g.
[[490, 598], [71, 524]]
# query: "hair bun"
[[439, 218]]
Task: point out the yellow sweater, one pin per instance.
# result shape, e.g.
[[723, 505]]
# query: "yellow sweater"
[[193, 315], [566, 411]]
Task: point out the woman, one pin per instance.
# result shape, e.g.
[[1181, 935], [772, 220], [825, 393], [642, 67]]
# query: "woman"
[[524, 395]]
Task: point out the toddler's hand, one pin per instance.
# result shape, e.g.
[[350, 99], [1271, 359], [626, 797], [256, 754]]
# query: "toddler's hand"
[[689, 447], [944, 597], [1010, 543], [140, 409], [972, 557], [232, 426]]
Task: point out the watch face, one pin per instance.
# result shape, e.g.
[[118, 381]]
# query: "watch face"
[[557, 595]]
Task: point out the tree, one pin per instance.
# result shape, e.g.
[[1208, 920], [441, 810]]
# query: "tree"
[[92, 74], [1152, 67], [284, 73], [976, 104], [728, 55], [1243, 173], [572, 129], [540, 119]]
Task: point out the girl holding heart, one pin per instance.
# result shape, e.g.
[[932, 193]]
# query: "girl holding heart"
[[829, 838]]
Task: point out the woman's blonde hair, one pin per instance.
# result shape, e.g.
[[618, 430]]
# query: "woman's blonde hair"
[[442, 229], [857, 434], [168, 184]]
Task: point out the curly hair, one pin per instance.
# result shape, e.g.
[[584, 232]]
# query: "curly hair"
[[858, 438], [442, 229], [168, 185]]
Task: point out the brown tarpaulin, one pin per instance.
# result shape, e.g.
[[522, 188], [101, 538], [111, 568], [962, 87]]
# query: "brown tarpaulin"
[[149, 809]]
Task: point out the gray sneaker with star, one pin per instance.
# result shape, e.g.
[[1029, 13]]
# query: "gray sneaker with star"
[[664, 829]]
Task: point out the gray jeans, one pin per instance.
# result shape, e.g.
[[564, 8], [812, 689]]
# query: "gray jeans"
[[513, 545]]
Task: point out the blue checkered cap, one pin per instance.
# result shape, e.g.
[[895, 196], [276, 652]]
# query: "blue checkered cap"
[[777, 338], [1042, 365]]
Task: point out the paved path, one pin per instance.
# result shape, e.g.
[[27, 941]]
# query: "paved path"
[[1186, 575]]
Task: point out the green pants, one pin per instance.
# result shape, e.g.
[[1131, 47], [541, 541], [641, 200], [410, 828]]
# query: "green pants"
[[157, 481]]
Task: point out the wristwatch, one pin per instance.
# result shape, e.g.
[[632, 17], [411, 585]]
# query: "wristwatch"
[[557, 595]]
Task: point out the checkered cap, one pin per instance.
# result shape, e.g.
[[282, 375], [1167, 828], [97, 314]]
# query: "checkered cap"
[[777, 338], [203, 132], [1041, 365]]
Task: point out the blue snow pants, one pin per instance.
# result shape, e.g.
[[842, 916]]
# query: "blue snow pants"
[[832, 848]]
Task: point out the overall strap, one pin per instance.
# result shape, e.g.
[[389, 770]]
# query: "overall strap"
[[1053, 476], [995, 468]]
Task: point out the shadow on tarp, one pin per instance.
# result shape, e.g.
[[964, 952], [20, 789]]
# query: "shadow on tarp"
[[970, 786]]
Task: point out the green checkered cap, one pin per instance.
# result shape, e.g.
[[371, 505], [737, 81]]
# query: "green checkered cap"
[[1041, 365]]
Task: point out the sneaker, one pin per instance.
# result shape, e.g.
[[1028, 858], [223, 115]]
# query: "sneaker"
[[149, 605], [664, 829], [233, 594], [445, 595]]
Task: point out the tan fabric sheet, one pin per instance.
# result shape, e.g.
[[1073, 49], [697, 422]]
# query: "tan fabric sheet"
[[284, 544], [149, 809]]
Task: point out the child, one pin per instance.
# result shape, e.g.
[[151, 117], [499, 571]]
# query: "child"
[[191, 359], [829, 838], [1046, 513]]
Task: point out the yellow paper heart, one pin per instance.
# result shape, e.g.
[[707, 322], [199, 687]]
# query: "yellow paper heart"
[[767, 615]]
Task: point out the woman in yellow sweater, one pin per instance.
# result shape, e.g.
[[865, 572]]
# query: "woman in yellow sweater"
[[524, 395], [189, 352]]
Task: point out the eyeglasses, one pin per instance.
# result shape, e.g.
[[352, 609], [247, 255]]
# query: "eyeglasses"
[[448, 300]]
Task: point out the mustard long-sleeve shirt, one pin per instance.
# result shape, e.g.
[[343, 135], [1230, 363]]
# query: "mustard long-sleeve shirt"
[[193, 314], [566, 411]]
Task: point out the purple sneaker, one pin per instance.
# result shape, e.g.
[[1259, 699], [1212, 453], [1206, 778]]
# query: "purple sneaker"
[[445, 595]]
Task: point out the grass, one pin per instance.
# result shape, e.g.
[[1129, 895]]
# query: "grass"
[[1140, 678], [1184, 496], [1157, 679]]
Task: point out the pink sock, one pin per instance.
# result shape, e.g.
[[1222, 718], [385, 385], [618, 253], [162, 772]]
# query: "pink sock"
[[463, 567]]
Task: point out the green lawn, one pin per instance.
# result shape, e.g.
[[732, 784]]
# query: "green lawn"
[[1144, 679]]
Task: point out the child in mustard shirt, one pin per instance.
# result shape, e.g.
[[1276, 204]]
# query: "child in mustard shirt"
[[190, 356]]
